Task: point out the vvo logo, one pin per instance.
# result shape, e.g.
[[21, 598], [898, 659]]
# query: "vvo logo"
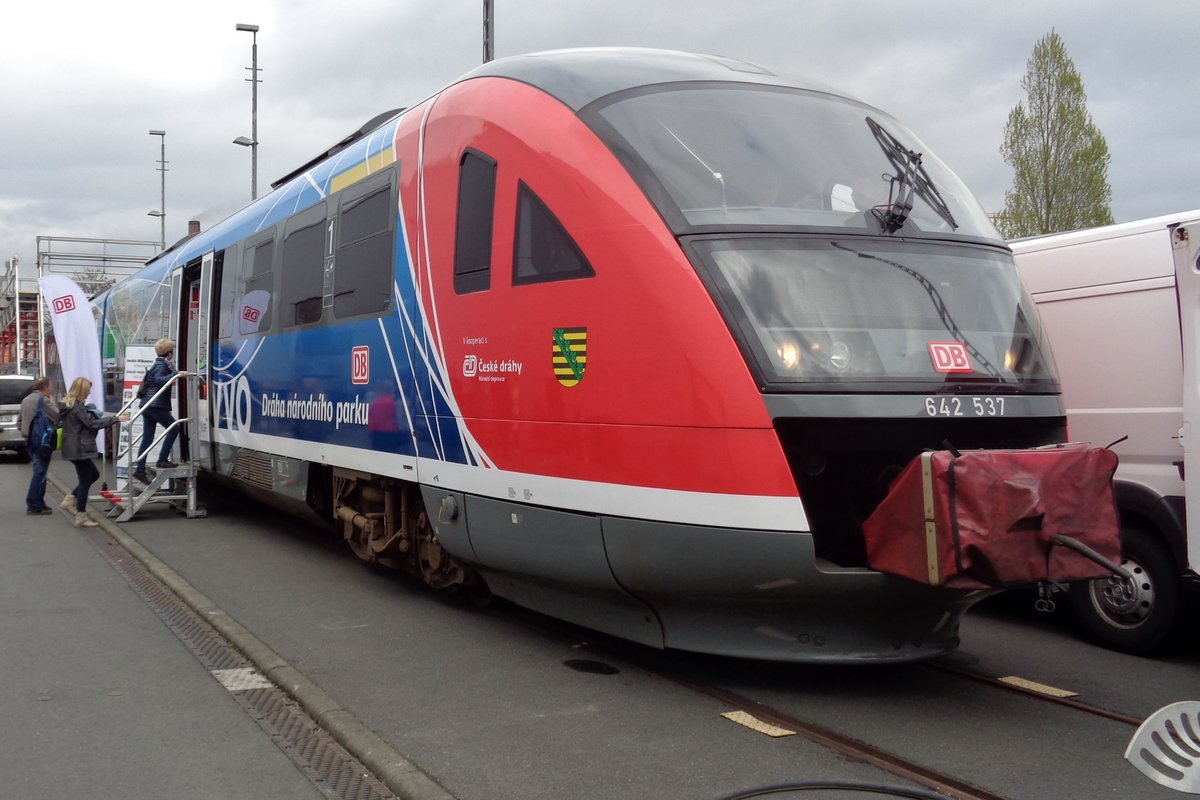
[[360, 365], [950, 357], [470, 366], [235, 404], [63, 304]]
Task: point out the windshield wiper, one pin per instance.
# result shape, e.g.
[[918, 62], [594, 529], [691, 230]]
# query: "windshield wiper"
[[939, 306], [911, 178], [716, 176]]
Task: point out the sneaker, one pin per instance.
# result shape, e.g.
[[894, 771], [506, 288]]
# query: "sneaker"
[[42, 510], [141, 477], [166, 464]]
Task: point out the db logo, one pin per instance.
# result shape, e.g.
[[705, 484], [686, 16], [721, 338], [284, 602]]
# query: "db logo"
[[360, 365], [470, 366], [63, 304], [950, 357], [250, 314]]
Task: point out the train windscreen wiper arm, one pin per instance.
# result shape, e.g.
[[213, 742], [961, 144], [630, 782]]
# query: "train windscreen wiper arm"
[[911, 177]]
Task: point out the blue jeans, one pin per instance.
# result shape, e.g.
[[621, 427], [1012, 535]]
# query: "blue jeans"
[[152, 417], [87, 473], [35, 498]]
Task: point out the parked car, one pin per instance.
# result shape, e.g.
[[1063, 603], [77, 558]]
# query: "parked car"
[[12, 389]]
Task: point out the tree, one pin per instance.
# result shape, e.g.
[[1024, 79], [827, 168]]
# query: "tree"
[[93, 281], [1059, 158]]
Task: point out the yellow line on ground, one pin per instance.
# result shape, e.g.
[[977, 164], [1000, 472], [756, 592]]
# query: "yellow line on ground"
[[756, 724], [1040, 688]]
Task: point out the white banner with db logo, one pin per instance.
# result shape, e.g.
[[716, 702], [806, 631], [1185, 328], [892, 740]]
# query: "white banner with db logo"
[[76, 337]]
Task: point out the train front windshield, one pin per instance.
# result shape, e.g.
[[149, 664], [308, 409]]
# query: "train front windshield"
[[786, 200], [865, 310], [725, 155]]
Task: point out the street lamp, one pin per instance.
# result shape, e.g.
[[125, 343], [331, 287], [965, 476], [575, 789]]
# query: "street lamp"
[[489, 31], [252, 143], [162, 210]]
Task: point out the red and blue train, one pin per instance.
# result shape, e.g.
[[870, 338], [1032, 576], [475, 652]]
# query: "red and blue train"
[[635, 338]]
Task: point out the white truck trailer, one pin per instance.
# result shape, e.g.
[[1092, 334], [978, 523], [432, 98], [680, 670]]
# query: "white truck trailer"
[[1121, 309]]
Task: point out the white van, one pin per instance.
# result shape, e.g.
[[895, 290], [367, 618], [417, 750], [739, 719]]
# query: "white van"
[[1112, 301]]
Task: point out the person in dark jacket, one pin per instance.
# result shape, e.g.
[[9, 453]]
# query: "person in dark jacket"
[[156, 411], [80, 423], [35, 498]]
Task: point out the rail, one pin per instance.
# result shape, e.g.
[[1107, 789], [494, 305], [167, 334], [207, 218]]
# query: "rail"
[[135, 412], [126, 501]]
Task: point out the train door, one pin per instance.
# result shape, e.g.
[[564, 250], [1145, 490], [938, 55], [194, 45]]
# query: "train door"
[[191, 292], [1185, 241]]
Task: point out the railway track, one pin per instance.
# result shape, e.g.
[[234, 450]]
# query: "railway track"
[[907, 769], [1036, 691], [933, 782]]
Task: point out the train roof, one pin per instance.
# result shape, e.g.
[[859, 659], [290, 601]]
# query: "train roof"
[[575, 77], [580, 76]]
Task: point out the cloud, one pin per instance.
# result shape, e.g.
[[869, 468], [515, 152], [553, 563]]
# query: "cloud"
[[84, 82]]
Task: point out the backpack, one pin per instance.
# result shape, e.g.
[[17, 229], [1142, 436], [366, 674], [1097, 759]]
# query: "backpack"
[[43, 436], [141, 390]]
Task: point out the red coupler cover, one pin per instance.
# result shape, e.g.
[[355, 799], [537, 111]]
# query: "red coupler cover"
[[984, 518]]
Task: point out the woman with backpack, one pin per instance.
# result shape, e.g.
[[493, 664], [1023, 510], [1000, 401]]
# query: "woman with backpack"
[[80, 423]]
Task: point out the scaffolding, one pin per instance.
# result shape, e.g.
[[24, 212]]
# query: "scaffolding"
[[96, 258], [19, 352], [94, 264]]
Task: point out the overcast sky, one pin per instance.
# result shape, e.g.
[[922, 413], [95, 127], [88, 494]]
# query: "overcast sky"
[[82, 83]]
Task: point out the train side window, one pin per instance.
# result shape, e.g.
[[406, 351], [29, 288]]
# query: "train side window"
[[363, 277], [254, 315], [543, 249], [303, 266], [473, 232]]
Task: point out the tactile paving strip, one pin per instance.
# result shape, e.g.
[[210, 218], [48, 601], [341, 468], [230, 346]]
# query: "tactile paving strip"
[[326, 763]]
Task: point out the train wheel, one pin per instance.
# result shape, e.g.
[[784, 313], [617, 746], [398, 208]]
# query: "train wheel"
[[438, 568], [1134, 616], [358, 545], [479, 593]]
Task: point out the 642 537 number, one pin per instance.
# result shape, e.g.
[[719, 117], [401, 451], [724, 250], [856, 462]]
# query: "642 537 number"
[[964, 406]]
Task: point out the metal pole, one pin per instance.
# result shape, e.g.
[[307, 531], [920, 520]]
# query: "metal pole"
[[41, 328], [162, 196], [254, 116], [254, 81], [162, 208], [488, 31], [16, 273]]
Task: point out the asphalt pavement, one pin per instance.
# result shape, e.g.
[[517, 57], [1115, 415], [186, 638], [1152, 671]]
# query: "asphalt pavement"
[[440, 700], [102, 700], [98, 698]]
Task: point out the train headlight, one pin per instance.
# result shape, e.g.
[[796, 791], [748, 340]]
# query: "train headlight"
[[789, 354], [1020, 357], [840, 355]]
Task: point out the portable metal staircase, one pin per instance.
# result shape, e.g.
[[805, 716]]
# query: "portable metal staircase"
[[175, 485]]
